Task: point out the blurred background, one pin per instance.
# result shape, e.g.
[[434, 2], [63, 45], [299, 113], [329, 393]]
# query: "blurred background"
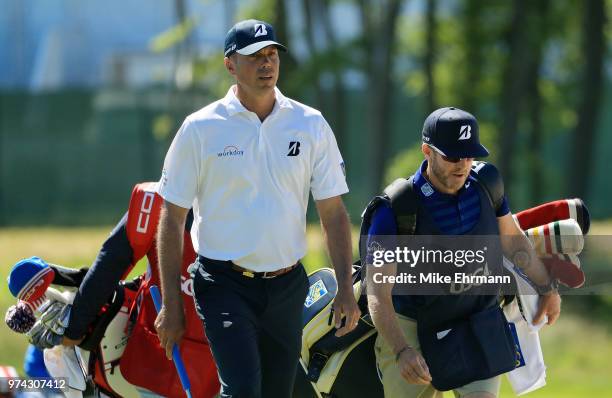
[[92, 93]]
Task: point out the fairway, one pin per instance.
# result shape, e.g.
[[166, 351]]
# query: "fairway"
[[576, 350]]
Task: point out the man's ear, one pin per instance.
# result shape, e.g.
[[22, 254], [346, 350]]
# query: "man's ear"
[[229, 65], [426, 150]]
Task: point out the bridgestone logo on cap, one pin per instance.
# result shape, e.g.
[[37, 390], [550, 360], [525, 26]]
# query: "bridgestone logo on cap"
[[260, 30], [465, 132]]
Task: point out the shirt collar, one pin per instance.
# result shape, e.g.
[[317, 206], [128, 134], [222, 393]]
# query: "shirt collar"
[[427, 190], [234, 106]]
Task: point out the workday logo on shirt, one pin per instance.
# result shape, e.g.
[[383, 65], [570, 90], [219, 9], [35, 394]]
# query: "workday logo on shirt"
[[230, 150]]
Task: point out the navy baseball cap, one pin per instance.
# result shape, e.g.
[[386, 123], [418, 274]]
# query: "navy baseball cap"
[[453, 132], [248, 37]]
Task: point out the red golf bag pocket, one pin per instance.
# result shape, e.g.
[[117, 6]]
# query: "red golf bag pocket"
[[144, 364]]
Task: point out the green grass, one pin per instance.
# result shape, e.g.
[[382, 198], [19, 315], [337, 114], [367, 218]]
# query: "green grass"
[[577, 349]]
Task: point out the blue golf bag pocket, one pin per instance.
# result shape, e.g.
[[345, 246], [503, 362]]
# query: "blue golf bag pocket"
[[493, 333], [468, 350]]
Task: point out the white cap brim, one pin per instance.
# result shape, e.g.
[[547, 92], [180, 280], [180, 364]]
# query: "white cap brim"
[[253, 48]]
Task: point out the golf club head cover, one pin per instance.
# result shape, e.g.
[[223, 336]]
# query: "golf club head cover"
[[553, 211], [565, 268], [557, 237], [29, 280], [20, 317]]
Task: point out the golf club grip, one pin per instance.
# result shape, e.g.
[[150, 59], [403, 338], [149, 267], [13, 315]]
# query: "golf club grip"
[[176, 356]]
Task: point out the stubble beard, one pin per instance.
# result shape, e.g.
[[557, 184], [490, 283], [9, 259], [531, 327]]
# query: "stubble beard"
[[444, 177]]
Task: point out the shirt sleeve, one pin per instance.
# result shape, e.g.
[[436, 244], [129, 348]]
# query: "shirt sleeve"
[[179, 179], [328, 176], [383, 222], [504, 208], [382, 234]]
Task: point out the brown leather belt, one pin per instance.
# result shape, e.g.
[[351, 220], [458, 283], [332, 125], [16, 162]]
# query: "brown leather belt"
[[247, 272], [263, 275]]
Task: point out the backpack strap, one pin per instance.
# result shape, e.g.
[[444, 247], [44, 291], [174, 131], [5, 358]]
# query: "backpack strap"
[[403, 200], [491, 180], [399, 195]]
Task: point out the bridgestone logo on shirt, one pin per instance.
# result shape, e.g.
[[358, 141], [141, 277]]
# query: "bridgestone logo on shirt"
[[294, 148]]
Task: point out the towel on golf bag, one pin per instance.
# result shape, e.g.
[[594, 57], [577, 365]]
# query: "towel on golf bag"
[[530, 372]]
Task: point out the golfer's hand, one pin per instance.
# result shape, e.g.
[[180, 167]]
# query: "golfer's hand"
[[345, 305], [170, 327], [549, 305], [413, 368]]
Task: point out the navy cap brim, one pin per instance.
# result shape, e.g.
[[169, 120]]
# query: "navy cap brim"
[[471, 151], [253, 48]]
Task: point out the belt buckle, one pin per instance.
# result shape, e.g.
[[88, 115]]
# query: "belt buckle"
[[265, 275]]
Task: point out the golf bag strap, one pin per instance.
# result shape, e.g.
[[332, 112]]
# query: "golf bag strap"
[[104, 318], [97, 375]]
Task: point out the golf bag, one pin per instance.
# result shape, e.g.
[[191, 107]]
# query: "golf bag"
[[101, 351], [330, 364], [99, 354], [101, 365]]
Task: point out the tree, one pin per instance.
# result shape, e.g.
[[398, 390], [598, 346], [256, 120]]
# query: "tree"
[[539, 34], [338, 92], [379, 23], [289, 63], [431, 48], [514, 81], [583, 140], [475, 43]]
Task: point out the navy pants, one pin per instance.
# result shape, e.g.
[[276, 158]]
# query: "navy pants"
[[254, 327]]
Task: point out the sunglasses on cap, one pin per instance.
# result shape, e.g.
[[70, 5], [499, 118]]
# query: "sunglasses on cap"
[[446, 158]]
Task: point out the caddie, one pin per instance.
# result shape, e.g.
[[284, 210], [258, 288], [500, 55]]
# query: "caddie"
[[435, 339]]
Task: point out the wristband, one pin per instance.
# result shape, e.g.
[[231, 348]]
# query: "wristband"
[[397, 355], [549, 287]]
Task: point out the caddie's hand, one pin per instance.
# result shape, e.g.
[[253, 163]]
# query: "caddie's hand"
[[412, 367], [549, 305], [170, 327], [345, 305]]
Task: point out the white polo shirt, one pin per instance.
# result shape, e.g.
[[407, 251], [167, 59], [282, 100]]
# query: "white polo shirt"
[[248, 181]]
